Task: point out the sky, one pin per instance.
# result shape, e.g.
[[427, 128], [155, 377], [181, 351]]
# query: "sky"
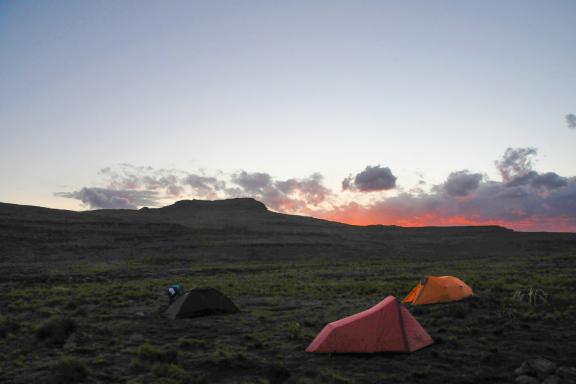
[[366, 112]]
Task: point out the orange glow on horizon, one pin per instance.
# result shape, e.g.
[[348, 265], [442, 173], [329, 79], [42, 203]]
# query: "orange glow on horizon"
[[362, 218]]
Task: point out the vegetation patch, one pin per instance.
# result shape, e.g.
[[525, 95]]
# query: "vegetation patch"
[[8, 327], [153, 354], [68, 370], [55, 332], [96, 315]]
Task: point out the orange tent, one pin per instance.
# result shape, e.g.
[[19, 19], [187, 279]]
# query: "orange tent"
[[438, 289], [386, 327]]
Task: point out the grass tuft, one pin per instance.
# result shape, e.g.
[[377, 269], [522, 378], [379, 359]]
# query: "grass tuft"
[[531, 296]]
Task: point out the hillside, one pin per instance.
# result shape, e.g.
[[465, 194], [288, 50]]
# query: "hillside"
[[227, 229], [71, 282]]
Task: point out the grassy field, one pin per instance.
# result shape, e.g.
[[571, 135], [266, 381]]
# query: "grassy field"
[[103, 322]]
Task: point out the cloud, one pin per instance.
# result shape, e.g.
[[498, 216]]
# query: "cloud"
[[130, 186], [515, 162], [571, 120], [347, 183], [545, 181], [111, 198], [131, 177], [549, 181], [371, 179], [492, 203], [252, 182], [461, 183], [525, 199], [291, 195], [169, 183], [204, 186], [310, 189], [200, 182]]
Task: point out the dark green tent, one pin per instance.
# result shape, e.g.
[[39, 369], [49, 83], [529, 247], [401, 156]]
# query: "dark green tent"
[[201, 302]]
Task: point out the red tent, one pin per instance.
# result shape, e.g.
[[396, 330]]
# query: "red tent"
[[386, 327]]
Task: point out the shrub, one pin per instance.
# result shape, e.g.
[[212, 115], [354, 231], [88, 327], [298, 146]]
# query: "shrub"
[[8, 327], [69, 370], [333, 376], [184, 342], [175, 372], [153, 354], [227, 357], [256, 341], [491, 297], [456, 310], [507, 312], [294, 330], [309, 323], [138, 365], [305, 380], [55, 332], [277, 373], [421, 372]]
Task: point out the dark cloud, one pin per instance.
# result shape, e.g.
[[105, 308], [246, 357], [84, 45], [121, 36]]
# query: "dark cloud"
[[112, 199], [516, 162], [549, 181], [204, 186], [571, 120], [310, 189], [200, 182], [524, 179], [291, 195], [371, 179], [461, 183], [347, 183], [252, 182], [543, 181], [562, 201], [156, 182]]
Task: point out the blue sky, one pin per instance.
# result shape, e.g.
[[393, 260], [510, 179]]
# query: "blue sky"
[[287, 88]]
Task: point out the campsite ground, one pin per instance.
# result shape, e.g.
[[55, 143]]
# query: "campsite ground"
[[118, 333], [88, 313]]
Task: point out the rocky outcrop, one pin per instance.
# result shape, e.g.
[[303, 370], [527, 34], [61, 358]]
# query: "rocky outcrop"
[[543, 371]]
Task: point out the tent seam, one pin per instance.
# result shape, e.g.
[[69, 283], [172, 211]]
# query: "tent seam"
[[421, 292], [402, 329]]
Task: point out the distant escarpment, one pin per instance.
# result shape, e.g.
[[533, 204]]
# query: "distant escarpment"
[[237, 229], [239, 204]]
